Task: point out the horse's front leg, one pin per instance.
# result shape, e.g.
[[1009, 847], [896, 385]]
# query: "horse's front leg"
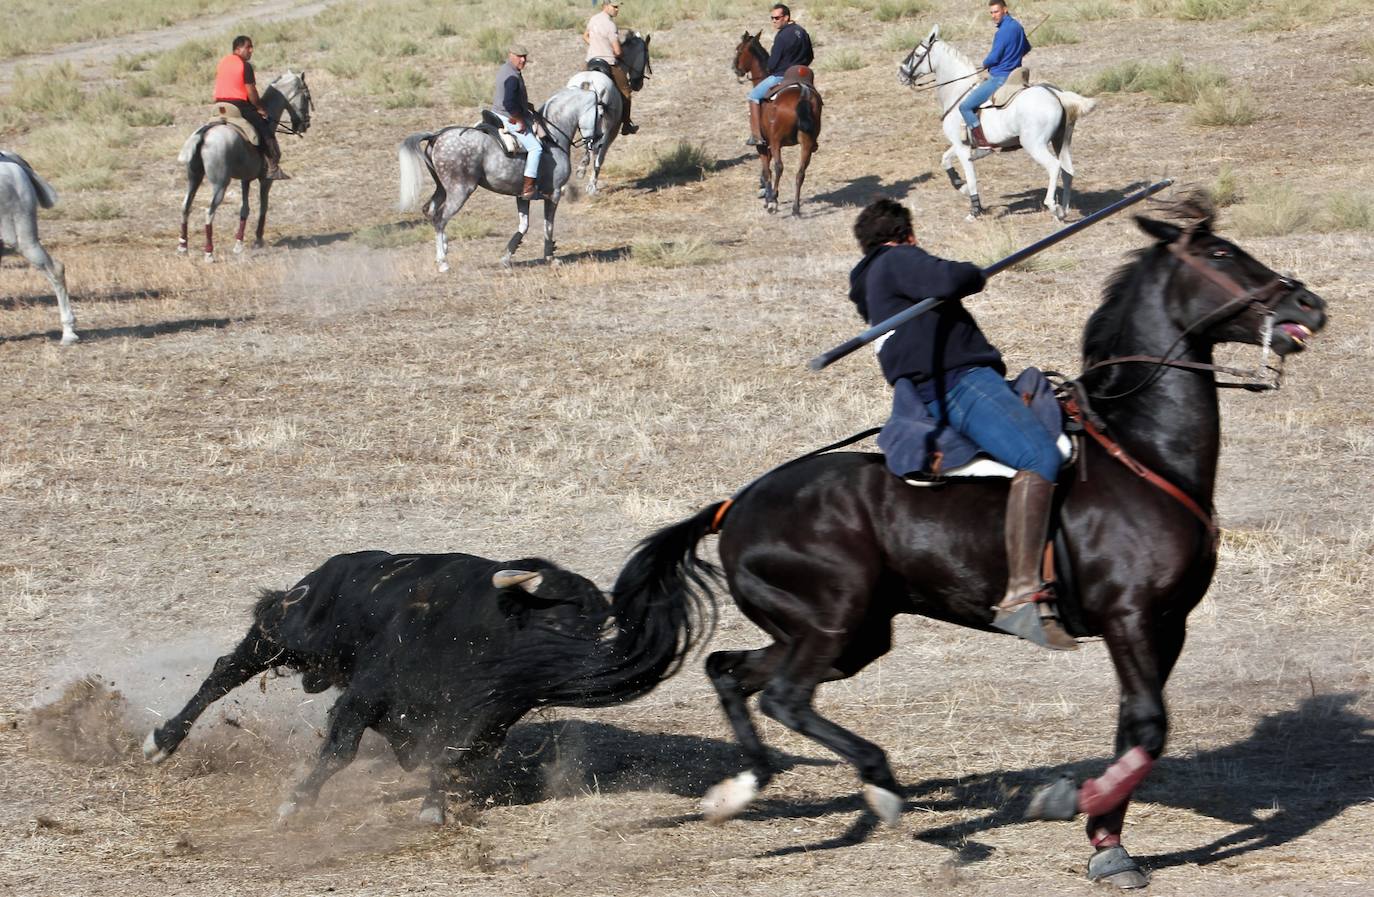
[[243, 216], [522, 207], [1143, 654], [264, 187], [975, 205], [947, 162], [550, 210]]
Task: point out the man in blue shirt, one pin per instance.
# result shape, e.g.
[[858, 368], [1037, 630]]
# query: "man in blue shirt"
[[791, 46], [1009, 47]]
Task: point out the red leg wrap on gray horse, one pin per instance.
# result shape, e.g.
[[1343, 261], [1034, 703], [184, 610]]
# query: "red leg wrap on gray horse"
[[1114, 787]]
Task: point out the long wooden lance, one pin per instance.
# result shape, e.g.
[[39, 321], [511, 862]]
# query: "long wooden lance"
[[829, 357]]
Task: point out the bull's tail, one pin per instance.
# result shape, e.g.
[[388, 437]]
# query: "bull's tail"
[[414, 163], [662, 607]]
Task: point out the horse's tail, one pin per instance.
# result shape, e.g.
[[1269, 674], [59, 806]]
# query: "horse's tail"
[[43, 191], [662, 607], [809, 113], [1075, 107], [414, 161], [191, 148]]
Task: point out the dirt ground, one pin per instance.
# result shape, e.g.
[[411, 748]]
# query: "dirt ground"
[[224, 428]]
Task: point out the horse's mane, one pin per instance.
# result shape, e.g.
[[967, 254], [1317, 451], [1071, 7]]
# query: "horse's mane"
[[1195, 211], [756, 48], [958, 56]]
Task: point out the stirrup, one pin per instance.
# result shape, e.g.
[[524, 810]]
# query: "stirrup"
[[1025, 622]]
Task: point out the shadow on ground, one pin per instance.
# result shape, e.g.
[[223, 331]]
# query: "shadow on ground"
[[863, 190], [137, 331]]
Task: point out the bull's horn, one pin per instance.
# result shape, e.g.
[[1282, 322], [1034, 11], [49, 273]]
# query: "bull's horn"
[[525, 579]]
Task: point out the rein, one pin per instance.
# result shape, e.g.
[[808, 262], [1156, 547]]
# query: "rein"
[[1264, 297]]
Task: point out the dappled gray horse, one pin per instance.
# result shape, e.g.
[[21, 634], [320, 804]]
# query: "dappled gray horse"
[[22, 191], [220, 154], [459, 160], [635, 58]]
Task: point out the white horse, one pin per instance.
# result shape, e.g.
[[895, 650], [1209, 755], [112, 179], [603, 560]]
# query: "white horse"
[[218, 153], [22, 192], [1042, 117], [635, 59]]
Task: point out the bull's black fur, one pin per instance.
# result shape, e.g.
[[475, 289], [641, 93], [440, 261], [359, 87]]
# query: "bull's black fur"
[[428, 652]]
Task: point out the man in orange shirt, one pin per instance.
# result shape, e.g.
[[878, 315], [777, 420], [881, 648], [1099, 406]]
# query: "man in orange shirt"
[[235, 84]]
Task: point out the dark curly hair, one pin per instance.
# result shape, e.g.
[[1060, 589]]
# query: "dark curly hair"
[[882, 221]]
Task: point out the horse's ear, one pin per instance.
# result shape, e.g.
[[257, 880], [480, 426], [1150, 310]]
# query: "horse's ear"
[[934, 32], [647, 38], [1162, 231]]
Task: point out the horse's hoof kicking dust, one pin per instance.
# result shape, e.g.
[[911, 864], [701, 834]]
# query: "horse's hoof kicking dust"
[[729, 798]]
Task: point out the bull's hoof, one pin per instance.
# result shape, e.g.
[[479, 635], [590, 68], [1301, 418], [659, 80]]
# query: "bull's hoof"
[[728, 799], [884, 804], [151, 751], [432, 815], [1114, 866], [1055, 801]]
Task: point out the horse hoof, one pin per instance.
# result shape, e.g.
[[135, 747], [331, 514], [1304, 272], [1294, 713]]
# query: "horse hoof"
[[286, 811], [728, 799], [258, 244], [1056, 801], [443, 267], [70, 337], [151, 751], [209, 258], [1114, 866], [432, 815], [505, 262], [884, 804], [238, 248], [181, 249], [1059, 213]]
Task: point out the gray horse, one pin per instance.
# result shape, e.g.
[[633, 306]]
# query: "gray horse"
[[218, 152], [635, 57], [459, 160], [22, 191]]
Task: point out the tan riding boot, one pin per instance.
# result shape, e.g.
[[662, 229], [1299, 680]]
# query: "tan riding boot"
[[530, 190], [755, 126], [1028, 518], [273, 158]]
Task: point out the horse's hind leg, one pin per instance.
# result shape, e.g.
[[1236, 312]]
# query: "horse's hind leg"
[[1042, 154], [550, 210], [194, 175], [252, 656], [737, 675], [771, 204], [264, 188], [442, 214], [807, 143], [522, 206], [215, 199], [52, 269]]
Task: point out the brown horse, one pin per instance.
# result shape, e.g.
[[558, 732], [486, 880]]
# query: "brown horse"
[[791, 118]]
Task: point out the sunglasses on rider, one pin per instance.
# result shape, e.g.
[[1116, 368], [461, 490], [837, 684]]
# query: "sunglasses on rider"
[[775, 18]]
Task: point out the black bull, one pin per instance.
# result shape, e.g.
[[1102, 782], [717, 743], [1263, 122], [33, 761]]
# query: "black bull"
[[442, 653]]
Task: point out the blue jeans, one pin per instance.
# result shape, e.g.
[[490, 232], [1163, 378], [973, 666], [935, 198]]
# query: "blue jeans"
[[983, 407], [533, 147], [761, 89], [976, 97]]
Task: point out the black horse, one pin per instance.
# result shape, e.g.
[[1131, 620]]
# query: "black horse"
[[823, 552]]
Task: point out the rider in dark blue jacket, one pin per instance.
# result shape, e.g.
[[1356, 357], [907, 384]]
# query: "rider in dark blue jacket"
[[958, 374], [791, 46]]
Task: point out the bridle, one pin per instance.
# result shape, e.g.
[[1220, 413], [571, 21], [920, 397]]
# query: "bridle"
[[748, 47], [299, 123], [585, 140], [1264, 376], [910, 64]]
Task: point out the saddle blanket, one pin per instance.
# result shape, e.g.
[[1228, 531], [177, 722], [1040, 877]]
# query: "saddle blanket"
[[919, 449], [229, 114]]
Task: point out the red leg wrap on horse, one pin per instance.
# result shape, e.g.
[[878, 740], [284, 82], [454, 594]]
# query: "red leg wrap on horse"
[[1097, 796], [243, 223]]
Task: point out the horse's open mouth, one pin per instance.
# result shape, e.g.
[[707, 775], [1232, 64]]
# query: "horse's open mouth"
[[1297, 333]]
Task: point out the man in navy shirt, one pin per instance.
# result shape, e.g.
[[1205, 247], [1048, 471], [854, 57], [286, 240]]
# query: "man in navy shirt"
[[958, 374], [791, 46], [1009, 47], [511, 104]]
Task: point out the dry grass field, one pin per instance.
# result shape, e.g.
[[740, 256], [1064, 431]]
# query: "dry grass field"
[[223, 428]]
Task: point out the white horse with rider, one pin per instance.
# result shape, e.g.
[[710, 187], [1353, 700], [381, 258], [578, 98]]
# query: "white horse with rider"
[[1039, 119]]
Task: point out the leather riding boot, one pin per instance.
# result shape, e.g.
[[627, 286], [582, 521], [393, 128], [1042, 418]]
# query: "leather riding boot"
[[976, 138], [1029, 503], [755, 126], [530, 190], [272, 154], [627, 127]]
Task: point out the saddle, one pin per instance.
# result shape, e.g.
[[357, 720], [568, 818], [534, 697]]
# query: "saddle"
[[229, 114], [493, 126], [1017, 81], [921, 450], [600, 65], [799, 76]]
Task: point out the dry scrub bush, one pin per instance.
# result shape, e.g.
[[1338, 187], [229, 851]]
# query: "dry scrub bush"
[[991, 241], [902, 40], [1349, 211], [32, 26], [467, 89], [1273, 211], [679, 254], [1225, 190], [1053, 34], [843, 61], [686, 161], [1224, 107]]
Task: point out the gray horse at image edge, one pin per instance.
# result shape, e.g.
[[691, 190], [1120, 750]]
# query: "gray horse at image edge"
[[219, 154], [22, 193], [459, 160]]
